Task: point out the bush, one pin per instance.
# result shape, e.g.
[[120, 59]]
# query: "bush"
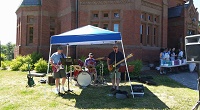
[[21, 63], [3, 66], [41, 66], [3, 57], [137, 67], [99, 66], [24, 67], [35, 57], [15, 65], [27, 59], [7, 63]]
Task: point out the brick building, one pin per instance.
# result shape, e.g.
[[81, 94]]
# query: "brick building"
[[142, 23], [183, 21]]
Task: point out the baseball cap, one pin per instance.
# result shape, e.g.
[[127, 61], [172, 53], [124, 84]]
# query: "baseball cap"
[[90, 54], [59, 48], [115, 45]]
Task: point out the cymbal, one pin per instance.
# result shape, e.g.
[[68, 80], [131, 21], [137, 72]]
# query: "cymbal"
[[100, 58]]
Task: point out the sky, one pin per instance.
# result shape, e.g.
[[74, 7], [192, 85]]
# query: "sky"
[[8, 19]]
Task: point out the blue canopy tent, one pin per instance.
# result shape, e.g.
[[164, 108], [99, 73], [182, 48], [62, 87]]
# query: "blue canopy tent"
[[87, 35]]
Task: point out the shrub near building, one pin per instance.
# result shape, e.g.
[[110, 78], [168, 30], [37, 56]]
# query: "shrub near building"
[[24, 63]]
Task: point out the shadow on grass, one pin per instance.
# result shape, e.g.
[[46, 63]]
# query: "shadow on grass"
[[163, 80], [94, 97]]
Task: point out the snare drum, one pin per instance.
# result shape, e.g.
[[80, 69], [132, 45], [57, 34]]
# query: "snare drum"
[[84, 79]]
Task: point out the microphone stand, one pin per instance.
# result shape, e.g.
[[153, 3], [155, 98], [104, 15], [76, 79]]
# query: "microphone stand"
[[115, 68], [69, 74]]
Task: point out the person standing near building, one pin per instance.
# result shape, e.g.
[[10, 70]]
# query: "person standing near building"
[[58, 69], [172, 55], [114, 57], [180, 54]]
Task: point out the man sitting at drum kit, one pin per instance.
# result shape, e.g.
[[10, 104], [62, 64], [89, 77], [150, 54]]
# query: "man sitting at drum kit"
[[90, 64]]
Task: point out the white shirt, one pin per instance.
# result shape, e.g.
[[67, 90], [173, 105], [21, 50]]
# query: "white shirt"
[[180, 54]]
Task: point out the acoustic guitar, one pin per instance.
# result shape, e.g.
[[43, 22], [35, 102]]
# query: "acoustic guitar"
[[111, 67]]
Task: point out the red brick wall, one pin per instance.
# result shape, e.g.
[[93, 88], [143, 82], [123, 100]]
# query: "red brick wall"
[[65, 12]]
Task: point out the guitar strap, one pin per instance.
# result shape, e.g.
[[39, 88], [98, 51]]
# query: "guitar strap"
[[62, 55]]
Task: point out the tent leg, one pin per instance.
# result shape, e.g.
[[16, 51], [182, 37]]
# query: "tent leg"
[[127, 69], [49, 58]]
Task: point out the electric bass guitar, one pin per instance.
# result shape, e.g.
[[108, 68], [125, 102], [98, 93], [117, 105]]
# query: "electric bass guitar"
[[111, 67], [57, 68]]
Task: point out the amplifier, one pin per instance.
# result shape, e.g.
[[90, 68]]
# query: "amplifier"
[[51, 80], [192, 47], [138, 90]]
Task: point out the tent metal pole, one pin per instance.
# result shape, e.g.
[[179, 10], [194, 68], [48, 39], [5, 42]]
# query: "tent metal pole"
[[49, 58], [127, 68], [67, 53]]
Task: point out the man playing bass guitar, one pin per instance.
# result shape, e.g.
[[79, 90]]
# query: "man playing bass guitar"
[[58, 71], [114, 57]]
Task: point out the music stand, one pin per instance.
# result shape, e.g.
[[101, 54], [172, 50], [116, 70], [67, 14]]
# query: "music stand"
[[67, 62]]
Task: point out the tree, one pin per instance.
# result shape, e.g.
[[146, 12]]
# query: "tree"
[[8, 50]]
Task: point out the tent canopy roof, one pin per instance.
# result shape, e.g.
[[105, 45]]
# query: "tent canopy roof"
[[86, 35]]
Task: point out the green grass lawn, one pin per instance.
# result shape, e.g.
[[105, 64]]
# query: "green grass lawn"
[[168, 94]]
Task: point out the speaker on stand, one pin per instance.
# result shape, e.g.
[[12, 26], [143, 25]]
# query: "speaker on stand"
[[192, 50]]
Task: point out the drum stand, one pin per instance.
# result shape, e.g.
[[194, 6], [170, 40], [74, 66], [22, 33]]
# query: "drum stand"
[[102, 80]]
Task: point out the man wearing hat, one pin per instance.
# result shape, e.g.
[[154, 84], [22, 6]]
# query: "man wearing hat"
[[114, 57], [90, 64], [58, 71]]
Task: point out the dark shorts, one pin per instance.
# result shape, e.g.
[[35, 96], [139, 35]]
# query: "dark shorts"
[[60, 74], [118, 74]]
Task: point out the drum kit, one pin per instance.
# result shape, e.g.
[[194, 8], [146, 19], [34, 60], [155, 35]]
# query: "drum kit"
[[82, 76]]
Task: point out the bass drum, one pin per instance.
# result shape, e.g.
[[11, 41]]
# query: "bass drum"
[[84, 79]]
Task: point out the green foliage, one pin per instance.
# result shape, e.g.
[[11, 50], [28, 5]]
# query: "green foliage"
[[100, 65], [3, 65], [137, 67], [83, 58], [18, 62], [24, 67], [35, 57], [41, 66], [27, 59], [19, 58], [15, 64], [3, 57], [8, 51], [21, 63]]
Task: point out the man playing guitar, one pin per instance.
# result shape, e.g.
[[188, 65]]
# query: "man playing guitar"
[[90, 64], [58, 71], [114, 57]]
